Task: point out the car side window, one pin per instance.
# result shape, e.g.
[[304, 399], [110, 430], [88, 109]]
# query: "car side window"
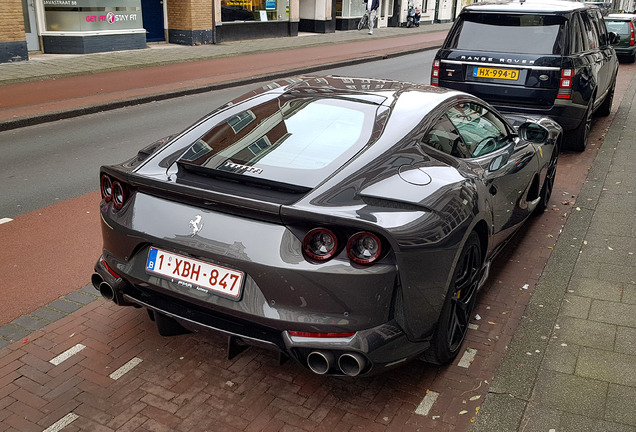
[[576, 42], [444, 137], [589, 32], [481, 130], [601, 29]]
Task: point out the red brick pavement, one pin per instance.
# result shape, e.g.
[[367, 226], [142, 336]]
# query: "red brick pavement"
[[185, 383]]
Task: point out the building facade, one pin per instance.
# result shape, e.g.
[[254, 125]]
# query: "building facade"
[[89, 26]]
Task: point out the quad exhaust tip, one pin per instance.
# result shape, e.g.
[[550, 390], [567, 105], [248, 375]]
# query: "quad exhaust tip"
[[350, 364]]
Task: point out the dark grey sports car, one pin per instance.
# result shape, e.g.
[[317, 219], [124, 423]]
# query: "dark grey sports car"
[[347, 223]]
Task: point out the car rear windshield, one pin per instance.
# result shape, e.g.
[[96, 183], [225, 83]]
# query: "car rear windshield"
[[510, 33], [295, 140], [619, 27]]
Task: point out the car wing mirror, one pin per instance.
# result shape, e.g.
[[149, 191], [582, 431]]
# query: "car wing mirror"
[[533, 132], [614, 38]]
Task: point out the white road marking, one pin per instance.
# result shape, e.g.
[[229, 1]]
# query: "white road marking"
[[62, 423], [67, 354], [5, 220], [467, 358], [427, 403], [125, 368]]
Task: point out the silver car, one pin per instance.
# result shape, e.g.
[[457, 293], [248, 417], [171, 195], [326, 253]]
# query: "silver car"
[[347, 223]]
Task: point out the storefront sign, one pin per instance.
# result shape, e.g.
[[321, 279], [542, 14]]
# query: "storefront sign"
[[92, 15]]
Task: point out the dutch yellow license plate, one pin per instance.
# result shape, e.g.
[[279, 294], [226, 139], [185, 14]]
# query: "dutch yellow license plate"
[[507, 74]]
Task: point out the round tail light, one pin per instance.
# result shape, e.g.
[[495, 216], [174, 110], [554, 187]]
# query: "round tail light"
[[320, 244], [106, 187], [364, 248], [119, 195]]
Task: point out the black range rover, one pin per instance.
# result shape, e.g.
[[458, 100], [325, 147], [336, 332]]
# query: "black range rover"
[[551, 58]]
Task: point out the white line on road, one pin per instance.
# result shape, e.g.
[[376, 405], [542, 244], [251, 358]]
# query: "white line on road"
[[427, 403], [125, 368], [5, 220], [66, 354], [62, 423]]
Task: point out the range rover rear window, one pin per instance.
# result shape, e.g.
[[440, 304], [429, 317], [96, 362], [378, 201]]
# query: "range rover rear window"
[[510, 33]]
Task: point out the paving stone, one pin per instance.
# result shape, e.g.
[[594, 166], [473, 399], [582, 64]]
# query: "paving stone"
[[570, 393], [607, 366], [621, 401], [13, 333], [586, 333], [65, 306], [30, 323], [48, 314], [629, 293], [596, 288], [80, 297], [561, 357], [576, 306], [625, 341], [613, 313]]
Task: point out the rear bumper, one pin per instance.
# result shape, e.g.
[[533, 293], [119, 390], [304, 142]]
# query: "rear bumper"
[[366, 352], [625, 52]]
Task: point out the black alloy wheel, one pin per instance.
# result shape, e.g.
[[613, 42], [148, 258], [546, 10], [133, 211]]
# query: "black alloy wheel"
[[548, 183], [580, 136], [606, 107], [459, 305]]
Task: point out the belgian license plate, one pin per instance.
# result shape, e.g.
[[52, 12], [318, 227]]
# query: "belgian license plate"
[[198, 274], [507, 74]]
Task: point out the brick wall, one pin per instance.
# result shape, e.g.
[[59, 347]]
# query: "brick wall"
[[190, 14], [11, 21]]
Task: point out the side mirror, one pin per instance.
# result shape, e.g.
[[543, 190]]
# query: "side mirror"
[[614, 38], [533, 132]]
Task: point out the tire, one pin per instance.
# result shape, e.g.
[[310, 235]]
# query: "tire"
[[579, 137], [548, 183], [458, 306], [362, 23], [409, 23], [605, 109]]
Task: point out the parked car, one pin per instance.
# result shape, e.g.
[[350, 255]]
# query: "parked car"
[[535, 57], [347, 223], [623, 26]]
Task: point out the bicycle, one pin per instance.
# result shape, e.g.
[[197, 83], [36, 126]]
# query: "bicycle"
[[364, 21]]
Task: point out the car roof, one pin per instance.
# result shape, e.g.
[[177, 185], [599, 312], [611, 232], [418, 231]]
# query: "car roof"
[[533, 6], [623, 17]]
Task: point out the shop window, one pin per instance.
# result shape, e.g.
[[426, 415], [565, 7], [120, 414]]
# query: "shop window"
[[254, 10], [350, 8], [86, 16]]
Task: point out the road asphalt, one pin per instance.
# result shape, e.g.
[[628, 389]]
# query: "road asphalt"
[[571, 365]]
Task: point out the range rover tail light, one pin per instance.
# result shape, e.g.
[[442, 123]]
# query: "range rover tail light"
[[565, 84], [435, 73], [631, 33], [114, 190]]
